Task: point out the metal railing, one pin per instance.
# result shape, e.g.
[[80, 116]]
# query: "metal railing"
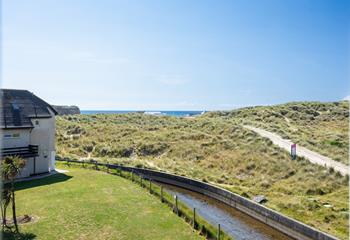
[[24, 152]]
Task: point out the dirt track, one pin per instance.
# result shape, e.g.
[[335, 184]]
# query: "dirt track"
[[301, 151]]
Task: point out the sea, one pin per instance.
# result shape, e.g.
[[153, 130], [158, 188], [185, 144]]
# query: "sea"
[[150, 112]]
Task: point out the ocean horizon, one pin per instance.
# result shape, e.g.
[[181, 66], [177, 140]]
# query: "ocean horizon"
[[176, 113]]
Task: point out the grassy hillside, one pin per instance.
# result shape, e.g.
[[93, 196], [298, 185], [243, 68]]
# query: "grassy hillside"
[[322, 127], [85, 204], [215, 149]]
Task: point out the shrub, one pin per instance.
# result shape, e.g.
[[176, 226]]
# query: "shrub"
[[149, 149], [316, 191]]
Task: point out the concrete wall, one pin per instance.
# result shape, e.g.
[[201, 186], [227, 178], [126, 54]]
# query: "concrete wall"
[[22, 140], [289, 226], [28, 168], [43, 135]]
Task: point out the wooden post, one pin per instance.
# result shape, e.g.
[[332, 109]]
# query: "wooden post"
[[161, 194], [150, 186], [194, 218], [83, 164], [132, 175], [141, 182], [176, 207], [107, 165], [219, 231]]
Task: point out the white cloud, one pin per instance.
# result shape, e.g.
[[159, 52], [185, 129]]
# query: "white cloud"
[[347, 98]]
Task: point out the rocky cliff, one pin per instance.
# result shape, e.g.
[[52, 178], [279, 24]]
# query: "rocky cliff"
[[66, 110]]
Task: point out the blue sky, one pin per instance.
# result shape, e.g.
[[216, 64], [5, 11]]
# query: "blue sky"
[[177, 55]]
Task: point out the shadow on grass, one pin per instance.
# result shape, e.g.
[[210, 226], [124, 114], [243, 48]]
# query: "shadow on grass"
[[59, 177], [10, 235]]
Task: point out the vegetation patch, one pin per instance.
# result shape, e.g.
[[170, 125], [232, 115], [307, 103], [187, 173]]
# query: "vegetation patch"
[[321, 127], [215, 148]]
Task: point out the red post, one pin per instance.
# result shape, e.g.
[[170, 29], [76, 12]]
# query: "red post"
[[293, 151]]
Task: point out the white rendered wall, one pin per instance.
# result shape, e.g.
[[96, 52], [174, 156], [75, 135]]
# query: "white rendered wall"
[[43, 135], [23, 140]]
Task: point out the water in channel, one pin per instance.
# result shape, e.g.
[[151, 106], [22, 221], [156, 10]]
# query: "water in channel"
[[235, 223]]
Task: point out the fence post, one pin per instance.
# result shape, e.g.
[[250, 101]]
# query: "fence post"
[[219, 231], [150, 186], [83, 164], [161, 193], [107, 165], [141, 181], [175, 206], [194, 218], [96, 165], [132, 175]]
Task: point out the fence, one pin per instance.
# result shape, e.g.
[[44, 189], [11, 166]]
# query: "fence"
[[288, 226], [180, 209]]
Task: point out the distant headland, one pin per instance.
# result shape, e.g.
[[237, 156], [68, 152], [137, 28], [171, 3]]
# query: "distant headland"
[[66, 110]]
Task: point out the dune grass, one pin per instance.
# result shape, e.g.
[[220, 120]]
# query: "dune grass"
[[214, 148], [87, 204], [321, 127]]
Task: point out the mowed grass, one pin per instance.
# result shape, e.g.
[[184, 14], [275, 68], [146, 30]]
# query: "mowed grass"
[[87, 204]]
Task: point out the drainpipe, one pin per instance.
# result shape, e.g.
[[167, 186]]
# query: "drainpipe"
[[34, 162]]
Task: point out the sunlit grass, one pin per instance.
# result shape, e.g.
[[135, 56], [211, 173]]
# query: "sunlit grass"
[[87, 204], [215, 148]]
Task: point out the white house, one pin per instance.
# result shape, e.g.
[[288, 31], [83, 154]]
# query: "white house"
[[28, 130]]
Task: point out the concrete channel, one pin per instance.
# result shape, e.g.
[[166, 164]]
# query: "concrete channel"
[[233, 222]]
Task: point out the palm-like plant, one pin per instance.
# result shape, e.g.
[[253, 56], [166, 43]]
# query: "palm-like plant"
[[5, 202], [11, 167]]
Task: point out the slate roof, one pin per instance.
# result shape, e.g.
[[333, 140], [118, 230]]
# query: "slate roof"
[[19, 106]]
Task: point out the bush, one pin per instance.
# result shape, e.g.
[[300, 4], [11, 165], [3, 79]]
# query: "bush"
[[151, 149], [75, 130], [316, 191], [88, 147]]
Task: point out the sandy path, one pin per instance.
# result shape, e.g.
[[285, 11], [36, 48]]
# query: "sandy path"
[[312, 156]]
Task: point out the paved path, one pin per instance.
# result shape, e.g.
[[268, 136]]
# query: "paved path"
[[301, 151]]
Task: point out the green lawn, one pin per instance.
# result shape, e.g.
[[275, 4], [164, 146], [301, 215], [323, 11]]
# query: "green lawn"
[[86, 204]]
